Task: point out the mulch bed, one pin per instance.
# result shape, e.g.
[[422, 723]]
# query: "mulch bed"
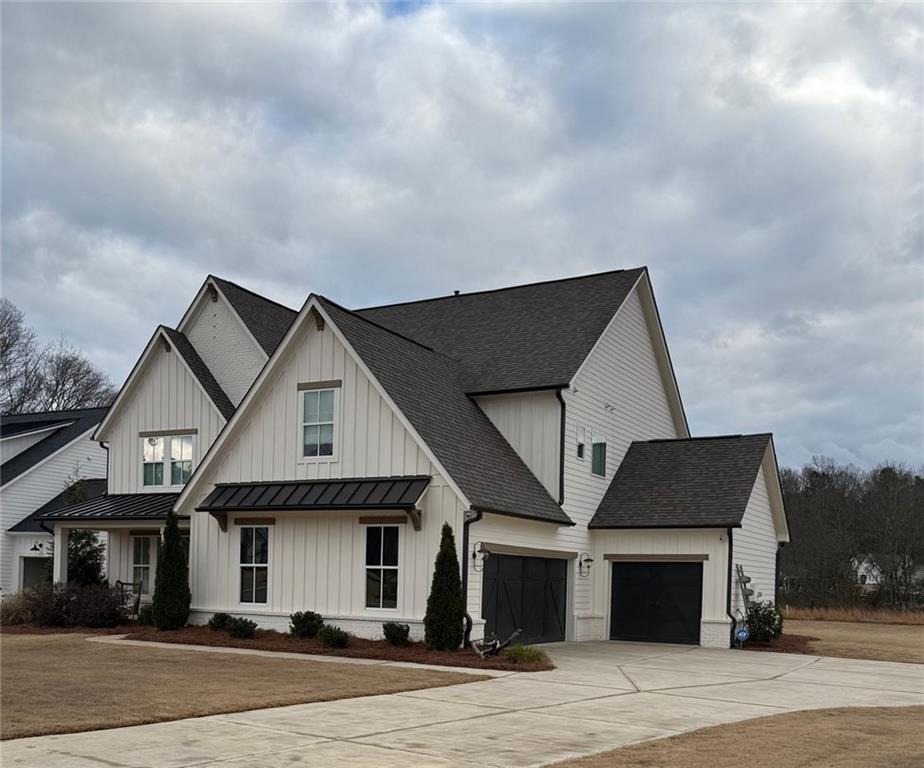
[[31, 629], [359, 648], [785, 644]]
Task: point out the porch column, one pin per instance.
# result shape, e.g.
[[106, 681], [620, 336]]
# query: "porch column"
[[59, 570]]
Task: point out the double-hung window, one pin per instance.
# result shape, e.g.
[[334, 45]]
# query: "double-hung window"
[[254, 563], [382, 566], [318, 423], [598, 455], [167, 461], [141, 562]]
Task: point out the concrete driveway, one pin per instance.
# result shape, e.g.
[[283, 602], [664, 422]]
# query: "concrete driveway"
[[601, 696]]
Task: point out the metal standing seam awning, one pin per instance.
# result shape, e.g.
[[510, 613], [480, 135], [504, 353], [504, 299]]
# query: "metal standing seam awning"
[[140, 507], [361, 493]]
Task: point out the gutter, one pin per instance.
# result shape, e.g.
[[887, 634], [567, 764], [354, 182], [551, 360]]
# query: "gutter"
[[728, 592], [472, 516], [561, 450]]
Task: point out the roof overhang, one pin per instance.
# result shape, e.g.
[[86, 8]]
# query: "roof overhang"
[[347, 494], [133, 507]]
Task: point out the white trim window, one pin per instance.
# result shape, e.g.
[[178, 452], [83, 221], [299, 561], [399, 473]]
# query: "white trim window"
[[598, 455], [141, 562], [166, 461], [318, 423], [382, 566], [254, 564]]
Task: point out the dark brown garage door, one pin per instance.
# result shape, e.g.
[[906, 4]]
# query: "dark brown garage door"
[[527, 593], [656, 602]]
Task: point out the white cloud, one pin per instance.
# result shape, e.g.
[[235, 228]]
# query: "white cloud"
[[764, 160]]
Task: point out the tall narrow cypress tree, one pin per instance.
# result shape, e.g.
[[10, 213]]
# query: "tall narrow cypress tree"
[[443, 628], [171, 584]]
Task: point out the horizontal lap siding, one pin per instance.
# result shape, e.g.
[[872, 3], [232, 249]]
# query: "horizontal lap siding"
[[755, 545], [225, 347], [317, 559], [165, 397]]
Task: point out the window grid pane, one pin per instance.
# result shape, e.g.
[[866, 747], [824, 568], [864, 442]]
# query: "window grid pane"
[[382, 566], [318, 423]]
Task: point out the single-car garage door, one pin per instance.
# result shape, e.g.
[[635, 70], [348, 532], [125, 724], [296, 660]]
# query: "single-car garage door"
[[656, 602], [527, 593]]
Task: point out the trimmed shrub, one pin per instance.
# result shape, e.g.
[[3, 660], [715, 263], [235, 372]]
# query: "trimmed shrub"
[[443, 628], [96, 605], [48, 604], [241, 628], [219, 621], [16, 608], [764, 622], [525, 654], [146, 615], [395, 633], [86, 556], [171, 585], [305, 623], [333, 637]]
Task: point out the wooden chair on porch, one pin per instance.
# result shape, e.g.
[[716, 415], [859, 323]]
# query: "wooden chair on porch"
[[130, 595]]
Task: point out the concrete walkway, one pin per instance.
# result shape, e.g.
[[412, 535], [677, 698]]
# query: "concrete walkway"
[[601, 696]]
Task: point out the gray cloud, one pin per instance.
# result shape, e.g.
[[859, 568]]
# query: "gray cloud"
[[763, 160]]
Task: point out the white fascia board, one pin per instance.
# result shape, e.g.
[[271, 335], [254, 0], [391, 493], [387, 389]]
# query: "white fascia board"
[[87, 434], [659, 345], [201, 297], [39, 430], [255, 390], [775, 493]]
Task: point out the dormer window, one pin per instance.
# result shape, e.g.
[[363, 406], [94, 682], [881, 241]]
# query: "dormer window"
[[167, 460], [318, 406]]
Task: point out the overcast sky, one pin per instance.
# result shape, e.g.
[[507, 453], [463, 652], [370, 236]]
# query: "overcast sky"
[[764, 161]]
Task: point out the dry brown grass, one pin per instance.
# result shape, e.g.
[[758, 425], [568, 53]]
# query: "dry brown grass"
[[859, 640], [825, 738], [861, 615], [62, 683]]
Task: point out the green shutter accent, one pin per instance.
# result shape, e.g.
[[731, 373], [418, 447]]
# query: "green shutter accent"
[[598, 459]]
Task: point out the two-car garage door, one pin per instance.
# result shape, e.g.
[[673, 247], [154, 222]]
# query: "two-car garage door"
[[656, 602]]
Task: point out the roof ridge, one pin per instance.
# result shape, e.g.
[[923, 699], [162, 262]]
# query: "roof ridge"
[[385, 328], [67, 414], [501, 290], [253, 293], [705, 437]]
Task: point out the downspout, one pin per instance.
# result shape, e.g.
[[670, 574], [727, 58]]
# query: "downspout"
[[471, 516], [728, 593], [561, 450]]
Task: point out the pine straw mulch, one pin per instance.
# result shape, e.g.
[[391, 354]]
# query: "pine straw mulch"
[[359, 648], [785, 644]]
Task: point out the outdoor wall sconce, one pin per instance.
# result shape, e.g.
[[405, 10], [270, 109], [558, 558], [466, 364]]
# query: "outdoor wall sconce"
[[584, 563], [479, 555]]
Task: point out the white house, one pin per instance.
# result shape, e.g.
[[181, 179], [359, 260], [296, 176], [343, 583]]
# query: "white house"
[[316, 454], [42, 455]]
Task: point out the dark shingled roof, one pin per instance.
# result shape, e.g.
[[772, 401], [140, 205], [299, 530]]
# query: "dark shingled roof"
[[702, 482], [201, 372], [525, 337], [344, 493], [427, 388], [73, 424], [267, 320], [82, 490], [118, 506]]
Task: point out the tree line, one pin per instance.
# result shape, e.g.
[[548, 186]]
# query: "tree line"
[[44, 377], [842, 516]]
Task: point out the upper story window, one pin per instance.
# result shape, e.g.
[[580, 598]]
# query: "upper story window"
[[166, 460], [581, 442], [318, 423], [598, 455]]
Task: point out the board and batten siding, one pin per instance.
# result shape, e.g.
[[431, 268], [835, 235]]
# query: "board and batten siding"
[[754, 546], [225, 347], [531, 423], [164, 397], [81, 458], [317, 559]]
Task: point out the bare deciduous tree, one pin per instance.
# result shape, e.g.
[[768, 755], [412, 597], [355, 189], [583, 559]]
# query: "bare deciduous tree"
[[53, 377]]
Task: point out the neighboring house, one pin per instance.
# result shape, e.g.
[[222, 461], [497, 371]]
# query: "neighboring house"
[[869, 570], [42, 455], [314, 456]]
